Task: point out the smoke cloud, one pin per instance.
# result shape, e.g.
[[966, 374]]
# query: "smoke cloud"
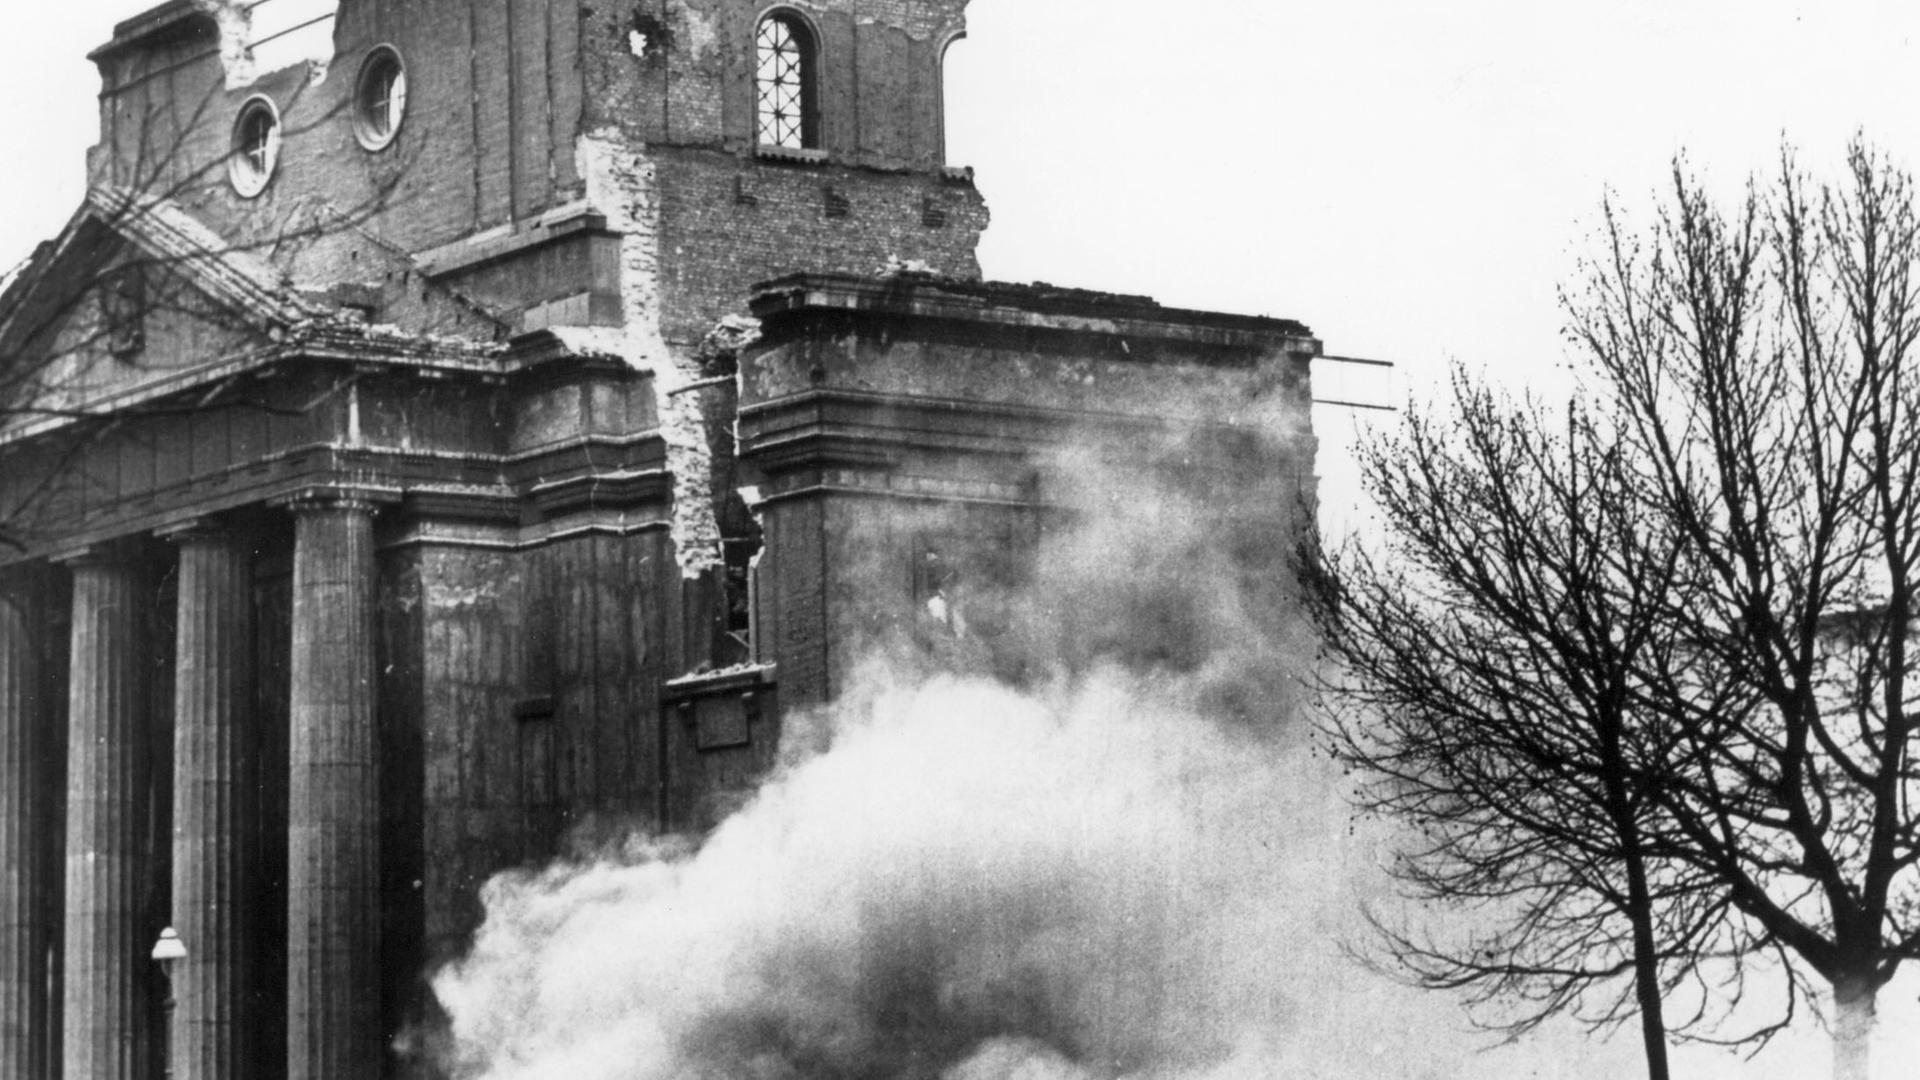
[[970, 883], [1085, 836]]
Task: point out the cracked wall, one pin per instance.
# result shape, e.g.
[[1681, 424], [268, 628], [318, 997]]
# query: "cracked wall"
[[623, 185]]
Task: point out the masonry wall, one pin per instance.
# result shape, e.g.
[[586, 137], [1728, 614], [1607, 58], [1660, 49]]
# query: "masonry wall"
[[488, 138], [728, 224], [879, 87], [520, 704], [501, 94], [949, 474], [500, 91]]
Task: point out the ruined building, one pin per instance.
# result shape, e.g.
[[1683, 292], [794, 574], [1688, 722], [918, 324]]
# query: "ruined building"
[[410, 464]]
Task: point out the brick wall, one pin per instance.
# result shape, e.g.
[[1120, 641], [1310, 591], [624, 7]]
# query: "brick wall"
[[501, 95], [488, 139], [727, 223], [878, 67]]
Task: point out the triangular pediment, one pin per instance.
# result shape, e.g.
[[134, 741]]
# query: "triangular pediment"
[[131, 294]]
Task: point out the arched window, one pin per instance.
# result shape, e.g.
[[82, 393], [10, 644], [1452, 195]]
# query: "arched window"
[[940, 95], [784, 79]]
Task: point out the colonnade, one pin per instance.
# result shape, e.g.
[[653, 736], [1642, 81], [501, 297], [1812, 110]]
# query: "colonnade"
[[77, 981]]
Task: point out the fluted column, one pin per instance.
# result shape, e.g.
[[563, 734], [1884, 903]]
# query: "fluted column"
[[28, 818], [107, 990], [333, 900], [213, 832]]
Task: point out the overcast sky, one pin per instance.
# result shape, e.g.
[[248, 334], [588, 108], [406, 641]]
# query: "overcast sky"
[[1410, 179]]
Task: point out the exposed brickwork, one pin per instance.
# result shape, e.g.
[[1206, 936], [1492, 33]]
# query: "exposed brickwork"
[[501, 94], [494, 108], [717, 241], [879, 74]]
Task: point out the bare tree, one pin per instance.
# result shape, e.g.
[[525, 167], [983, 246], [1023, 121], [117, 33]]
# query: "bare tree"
[[1643, 686], [1487, 692]]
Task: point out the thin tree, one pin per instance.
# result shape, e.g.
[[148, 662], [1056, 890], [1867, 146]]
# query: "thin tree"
[[1734, 645], [1487, 666]]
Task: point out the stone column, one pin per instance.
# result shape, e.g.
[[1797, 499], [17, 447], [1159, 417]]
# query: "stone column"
[[28, 818], [214, 782], [107, 991], [333, 888]]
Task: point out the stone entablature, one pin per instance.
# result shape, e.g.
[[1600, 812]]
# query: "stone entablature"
[[474, 440]]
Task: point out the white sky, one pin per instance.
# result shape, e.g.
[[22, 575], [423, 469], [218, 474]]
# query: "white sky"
[[1410, 179]]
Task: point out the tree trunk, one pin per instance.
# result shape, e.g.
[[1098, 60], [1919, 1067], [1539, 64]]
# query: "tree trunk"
[[1646, 971], [1646, 951], [1853, 1015]]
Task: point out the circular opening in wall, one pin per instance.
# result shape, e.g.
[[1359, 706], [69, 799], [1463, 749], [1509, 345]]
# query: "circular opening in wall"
[[380, 98], [256, 147]]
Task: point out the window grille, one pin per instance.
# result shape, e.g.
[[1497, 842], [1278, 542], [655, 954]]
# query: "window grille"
[[785, 84], [256, 142]]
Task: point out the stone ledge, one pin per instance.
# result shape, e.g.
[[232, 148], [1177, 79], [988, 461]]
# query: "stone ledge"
[[483, 248], [1036, 306]]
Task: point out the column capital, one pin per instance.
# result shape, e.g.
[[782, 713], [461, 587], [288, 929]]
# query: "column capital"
[[323, 498], [195, 528], [92, 554]]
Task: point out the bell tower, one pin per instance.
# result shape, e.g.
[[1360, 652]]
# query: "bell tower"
[[782, 138]]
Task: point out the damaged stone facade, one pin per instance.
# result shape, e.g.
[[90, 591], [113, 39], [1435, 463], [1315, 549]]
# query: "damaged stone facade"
[[507, 487]]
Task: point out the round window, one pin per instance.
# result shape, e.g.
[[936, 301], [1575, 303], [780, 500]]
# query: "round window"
[[256, 147], [380, 98]]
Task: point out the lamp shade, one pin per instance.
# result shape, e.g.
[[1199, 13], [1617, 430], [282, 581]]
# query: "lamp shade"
[[169, 948]]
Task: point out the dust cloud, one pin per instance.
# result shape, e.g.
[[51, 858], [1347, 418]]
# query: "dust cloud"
[[1107, 850]]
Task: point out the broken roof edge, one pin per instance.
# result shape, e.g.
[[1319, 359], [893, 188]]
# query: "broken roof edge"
[[1036, 305], [157, 20]]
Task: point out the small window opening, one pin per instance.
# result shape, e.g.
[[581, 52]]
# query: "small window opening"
[[737, 592], [646, 36], [256, 147], [785, 83], [940, 95], [380, 98], [936, 584]]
